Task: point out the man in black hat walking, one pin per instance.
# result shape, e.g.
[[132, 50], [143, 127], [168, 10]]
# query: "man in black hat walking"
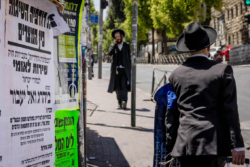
[[120, 68], [205, 128]]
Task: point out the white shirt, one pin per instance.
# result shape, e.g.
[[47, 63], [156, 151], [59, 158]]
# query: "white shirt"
[[120, 48], [202, 55]]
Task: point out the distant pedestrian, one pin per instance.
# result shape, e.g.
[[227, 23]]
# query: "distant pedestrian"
[[120, 68], [217, 57], [205, 128], [149, 58], [92, 63]]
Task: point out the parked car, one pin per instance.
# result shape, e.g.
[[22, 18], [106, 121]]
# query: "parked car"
[[224, 52], [213, 50]]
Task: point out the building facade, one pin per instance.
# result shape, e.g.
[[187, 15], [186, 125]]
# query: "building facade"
[[230, 25]]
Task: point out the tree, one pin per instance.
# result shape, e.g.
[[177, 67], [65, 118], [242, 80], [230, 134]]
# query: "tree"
[[94, 29], [173, 15], [145, 23], [115, 14]]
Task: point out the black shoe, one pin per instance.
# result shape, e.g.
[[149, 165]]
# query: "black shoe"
[[124, 105]]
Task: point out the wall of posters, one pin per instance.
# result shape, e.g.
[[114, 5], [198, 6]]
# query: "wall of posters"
[[27, 71], [27, 92], [66, 47]]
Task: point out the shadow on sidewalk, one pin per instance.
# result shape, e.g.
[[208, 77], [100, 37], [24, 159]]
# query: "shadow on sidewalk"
[[103, 151], [123, 127], [124, 113], [130, 114], [141, 110]]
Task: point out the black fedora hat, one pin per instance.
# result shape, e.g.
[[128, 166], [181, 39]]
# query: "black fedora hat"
[[118, 30], [196, 37]]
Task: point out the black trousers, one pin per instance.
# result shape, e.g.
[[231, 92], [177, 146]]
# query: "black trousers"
[[121, 86], [202, 161]]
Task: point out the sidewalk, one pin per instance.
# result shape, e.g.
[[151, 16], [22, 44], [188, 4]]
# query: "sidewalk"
[[111, 141], [110, 138]]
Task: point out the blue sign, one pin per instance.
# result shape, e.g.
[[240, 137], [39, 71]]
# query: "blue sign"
[[94, 18]]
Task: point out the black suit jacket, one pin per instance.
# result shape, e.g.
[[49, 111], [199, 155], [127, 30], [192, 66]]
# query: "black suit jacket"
[[208, 121], [126, 59]]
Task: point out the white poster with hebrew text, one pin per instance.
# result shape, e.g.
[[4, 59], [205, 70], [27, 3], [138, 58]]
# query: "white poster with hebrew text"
[[27, 88]]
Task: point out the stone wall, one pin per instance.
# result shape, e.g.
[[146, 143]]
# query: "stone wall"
[[235, 31]]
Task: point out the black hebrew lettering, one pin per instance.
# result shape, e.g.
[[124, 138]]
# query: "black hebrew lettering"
[[22, 66], [18, 96], [67, 121], [17, 7], [59, 144], [43, 69], [26, 79], [31, 34], [70, 140], [36, 80], [48, 110], [38, 16], [42, 37], [11, 53], [32, 96]]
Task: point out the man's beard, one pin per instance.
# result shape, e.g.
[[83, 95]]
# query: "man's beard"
[[119, 41]]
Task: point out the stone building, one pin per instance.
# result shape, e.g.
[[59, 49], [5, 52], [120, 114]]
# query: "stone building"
[[230, 25]]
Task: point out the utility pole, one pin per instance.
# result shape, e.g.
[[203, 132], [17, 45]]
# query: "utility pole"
[[100, 40], [133, 61], [153, 45], [89, 41]]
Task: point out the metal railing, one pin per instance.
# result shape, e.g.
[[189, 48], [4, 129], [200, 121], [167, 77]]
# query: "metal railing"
[[155, 81], [169, 59]]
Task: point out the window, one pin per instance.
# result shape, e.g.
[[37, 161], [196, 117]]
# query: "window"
[[241, 8], [236, 11], [237, 39], [229, 40], [232, 13], [228, 14]]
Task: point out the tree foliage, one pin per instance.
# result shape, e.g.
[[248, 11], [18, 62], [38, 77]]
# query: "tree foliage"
[[175, 14], [145, 23], [94, 29], [171, 16], [115, 14]]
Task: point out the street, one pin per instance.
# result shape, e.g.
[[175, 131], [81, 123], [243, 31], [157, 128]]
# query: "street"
[[144, 83]]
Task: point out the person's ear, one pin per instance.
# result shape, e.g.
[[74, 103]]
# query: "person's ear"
[[208, 49]]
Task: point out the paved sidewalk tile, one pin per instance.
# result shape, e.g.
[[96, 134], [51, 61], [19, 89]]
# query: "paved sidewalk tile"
[[110, 137]]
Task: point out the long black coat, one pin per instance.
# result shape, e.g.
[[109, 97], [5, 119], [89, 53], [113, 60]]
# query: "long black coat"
[[126, 59], [207, 106]]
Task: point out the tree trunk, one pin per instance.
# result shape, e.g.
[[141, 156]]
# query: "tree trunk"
[[165, 41], [208, 16], [153, 45]]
